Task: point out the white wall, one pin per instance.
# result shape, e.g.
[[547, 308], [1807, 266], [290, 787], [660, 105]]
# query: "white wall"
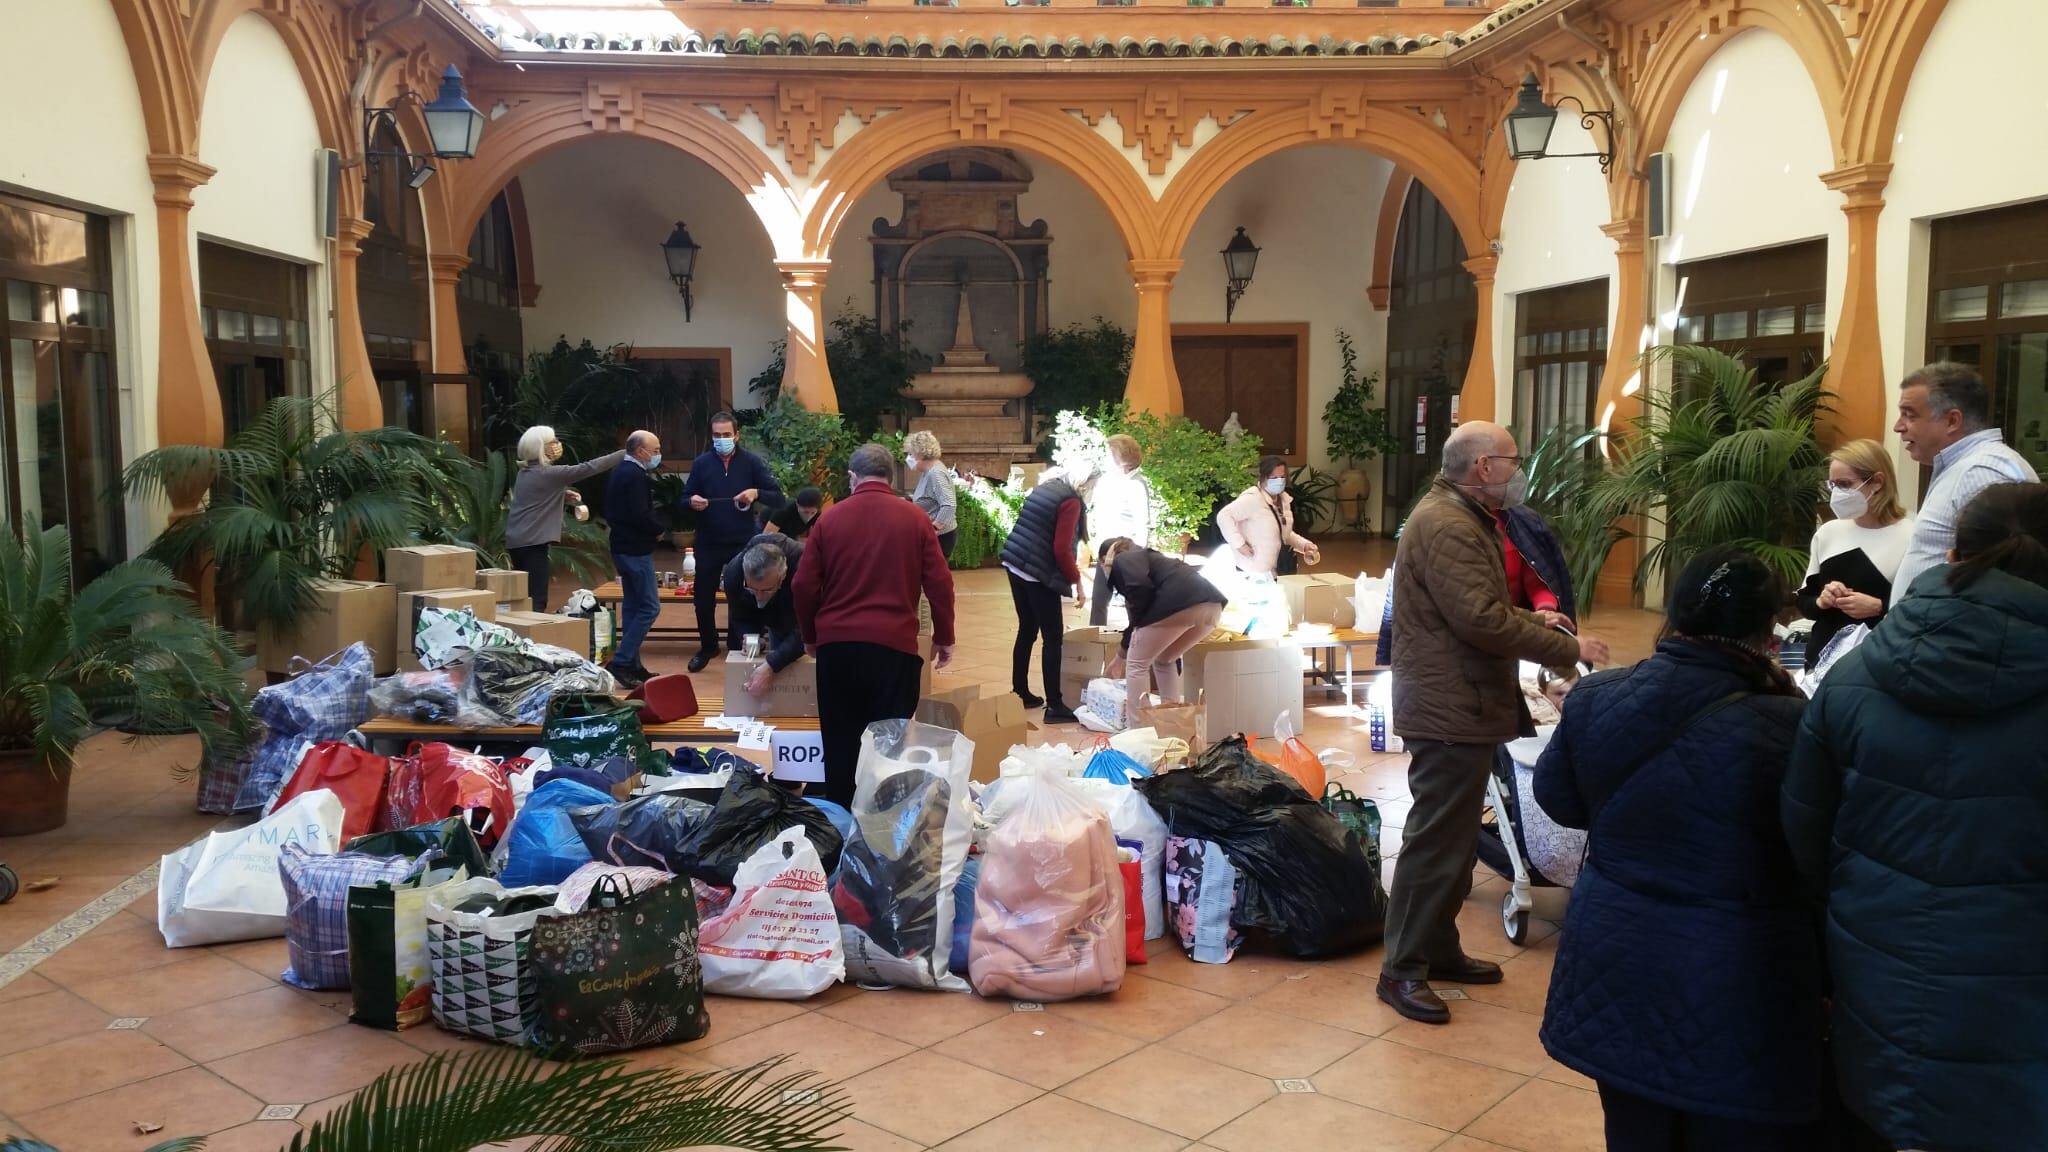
[[1966, 141], [258, 130], [1550, 236], [599, 209]]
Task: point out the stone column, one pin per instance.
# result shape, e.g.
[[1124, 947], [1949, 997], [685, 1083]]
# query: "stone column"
[[361, 406], [1477, 399], [187, 398], [1154, 384], [806, 376], [446, 270], [1856, 372], [1618, 405]]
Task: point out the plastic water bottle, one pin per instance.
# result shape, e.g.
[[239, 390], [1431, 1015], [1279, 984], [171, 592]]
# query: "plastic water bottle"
[[689, 563]]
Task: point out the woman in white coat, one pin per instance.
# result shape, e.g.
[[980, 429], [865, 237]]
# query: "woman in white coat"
[[1259, 525]]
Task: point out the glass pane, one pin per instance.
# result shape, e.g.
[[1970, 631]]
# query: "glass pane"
[[1525, 346], [233, 325], [2023, 378], [266, 329], [85, 308], [1525, 395], [1731, 325], [92, 459], [2023, 298], [299, 334], [1600, 338], [38, 423], [1577, 400], [1816, 318], [1551, 343], [21, 300], [1549, 386], [1971, 354], [1578, 340], [1692, 329], [1956, 304], [206, 322], [1777, 321]]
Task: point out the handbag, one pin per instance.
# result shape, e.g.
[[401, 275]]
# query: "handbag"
[[581, 729], [436, 781], [1357, 813], [356, 777], [622, 973], [450, 837], [479, 955], [387, 948]]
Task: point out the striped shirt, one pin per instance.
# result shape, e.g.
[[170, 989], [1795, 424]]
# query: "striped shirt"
[[1961, 471]]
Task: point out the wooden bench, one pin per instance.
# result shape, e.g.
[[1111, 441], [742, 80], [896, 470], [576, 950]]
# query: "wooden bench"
[[387, 734], [611, 594]]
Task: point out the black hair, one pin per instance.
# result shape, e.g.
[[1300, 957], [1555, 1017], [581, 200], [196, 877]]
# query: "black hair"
[[809, 497], [767, 508], [1953, 387], [2004, 529], [722, 417], [1268, 463], [1725, 593]]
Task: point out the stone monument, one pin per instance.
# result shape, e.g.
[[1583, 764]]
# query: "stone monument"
[[966, 403]]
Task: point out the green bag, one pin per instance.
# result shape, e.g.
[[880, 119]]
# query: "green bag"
[[390, 977], [583, 728], [1358, 814], [450, 836], [623, 973]]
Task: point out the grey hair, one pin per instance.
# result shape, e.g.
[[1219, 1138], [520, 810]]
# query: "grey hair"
[[1953, 387], [533, 444], [1462, 453], [922, 444], [762, 561], [871, 459], [637, 440]]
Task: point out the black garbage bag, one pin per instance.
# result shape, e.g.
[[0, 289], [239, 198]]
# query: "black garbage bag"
[[1309, 887], [705, 841]]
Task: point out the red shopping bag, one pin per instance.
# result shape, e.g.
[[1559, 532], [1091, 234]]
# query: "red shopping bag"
[[1134, 907], [436, 781], [357, 778]]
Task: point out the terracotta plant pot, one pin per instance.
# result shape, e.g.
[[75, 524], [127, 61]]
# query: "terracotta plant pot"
[[34, 795], [1353, 489]]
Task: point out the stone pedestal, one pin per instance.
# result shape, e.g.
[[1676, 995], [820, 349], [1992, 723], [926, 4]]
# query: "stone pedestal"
[[972, 406]]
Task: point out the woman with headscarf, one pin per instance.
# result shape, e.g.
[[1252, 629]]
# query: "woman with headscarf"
[[540, 491]]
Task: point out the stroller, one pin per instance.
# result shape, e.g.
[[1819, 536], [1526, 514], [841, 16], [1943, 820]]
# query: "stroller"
[[1521, 843]]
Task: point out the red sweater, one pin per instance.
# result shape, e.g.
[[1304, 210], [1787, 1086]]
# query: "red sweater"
[[865, 560], [1525, 588]]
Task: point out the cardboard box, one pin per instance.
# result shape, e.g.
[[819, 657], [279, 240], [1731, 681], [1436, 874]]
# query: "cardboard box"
[[1247, 689], [348, 611], [522, 604], [1196, 658], [1084, 652], [988, 714], [431, 566], [476, 600], [1318, 599], [508, 583], [569, 632], [794, 693]]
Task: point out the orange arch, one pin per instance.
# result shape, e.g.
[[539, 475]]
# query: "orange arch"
[[1410, 141], [1888, 53], [321, 68], [897, 139], [524, 136], [1385, 234], [156, 44]]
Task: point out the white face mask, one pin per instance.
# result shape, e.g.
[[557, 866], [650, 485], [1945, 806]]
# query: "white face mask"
[[1275, 486], [1848, 503]]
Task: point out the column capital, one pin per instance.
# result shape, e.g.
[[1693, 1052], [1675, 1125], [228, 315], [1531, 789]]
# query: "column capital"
[[1628, 235], [1154, 273], [803, 275], [350, 232], [1482, 266], [175, 175], [1861, 185], [447, 267]]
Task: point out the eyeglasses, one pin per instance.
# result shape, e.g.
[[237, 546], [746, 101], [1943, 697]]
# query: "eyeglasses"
[[1516, 459], [1845, 485]]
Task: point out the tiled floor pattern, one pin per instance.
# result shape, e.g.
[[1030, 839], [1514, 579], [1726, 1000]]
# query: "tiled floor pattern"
[[113, 1033]]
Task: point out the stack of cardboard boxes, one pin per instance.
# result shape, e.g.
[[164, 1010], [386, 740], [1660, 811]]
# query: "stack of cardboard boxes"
[[446, 576], [344, 612]]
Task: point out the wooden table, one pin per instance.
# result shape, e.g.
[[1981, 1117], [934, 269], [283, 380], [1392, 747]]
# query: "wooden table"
[[386, 734], [1323, 657], [611, 594]]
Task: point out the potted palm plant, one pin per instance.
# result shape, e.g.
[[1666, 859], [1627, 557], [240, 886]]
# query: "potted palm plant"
[[129, 649], [1357, 427]]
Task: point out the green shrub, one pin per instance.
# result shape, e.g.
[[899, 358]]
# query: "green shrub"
[[1191, 468], [870, 369], [1080, 366]]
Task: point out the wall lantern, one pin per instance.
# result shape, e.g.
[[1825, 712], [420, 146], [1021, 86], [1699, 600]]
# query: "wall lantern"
[[1240, 259], [454, 127], [1530, 124], [681, 253]]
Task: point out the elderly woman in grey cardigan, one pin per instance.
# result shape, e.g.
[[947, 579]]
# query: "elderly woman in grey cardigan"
[[539, 493]]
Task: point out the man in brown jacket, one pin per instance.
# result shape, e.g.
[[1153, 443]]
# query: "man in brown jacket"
[[1457, 697]]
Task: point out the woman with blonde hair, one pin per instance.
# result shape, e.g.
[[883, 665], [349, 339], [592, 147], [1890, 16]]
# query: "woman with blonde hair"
[[1120, 506], [1855, 555], [934, 493], [540, 491]]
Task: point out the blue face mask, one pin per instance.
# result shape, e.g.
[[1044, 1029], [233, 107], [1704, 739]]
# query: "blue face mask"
[[722, 445], [653, 462]]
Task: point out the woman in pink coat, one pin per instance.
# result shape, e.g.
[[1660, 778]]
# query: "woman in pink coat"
[[1260, 521]]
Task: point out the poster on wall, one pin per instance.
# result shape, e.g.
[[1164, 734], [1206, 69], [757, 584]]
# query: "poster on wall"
[[1421, 413], [1454, 409]]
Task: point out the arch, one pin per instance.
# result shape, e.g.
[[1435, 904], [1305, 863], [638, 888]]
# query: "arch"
[[522, 137], [1392, 199], [1410, 141], [321, 68], [1888, 53], [900, 138], [522, 244], [156, 45]]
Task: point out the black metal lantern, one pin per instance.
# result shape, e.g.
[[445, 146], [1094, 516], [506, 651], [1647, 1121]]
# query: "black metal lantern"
[[681, 253], [453, 123], [1240, 260], [1533, 119]]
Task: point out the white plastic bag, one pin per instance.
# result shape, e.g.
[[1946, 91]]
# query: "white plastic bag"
[[227, 887], [444, 636], [913, 822], [1148, 747], [779, 938], [1132, 819], [1049, 911]]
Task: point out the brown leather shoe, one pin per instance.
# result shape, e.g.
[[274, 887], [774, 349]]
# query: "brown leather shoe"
[[1414, 999], [1467, 971]]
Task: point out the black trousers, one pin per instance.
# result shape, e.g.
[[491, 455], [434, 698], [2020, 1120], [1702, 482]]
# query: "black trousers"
[[946, 540], [1638, 1125], [858, 684], [1038, 619], [533, 560], [711, 562], [1439, 846]]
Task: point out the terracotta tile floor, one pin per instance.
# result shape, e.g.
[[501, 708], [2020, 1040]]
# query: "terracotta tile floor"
[[115, 1030]]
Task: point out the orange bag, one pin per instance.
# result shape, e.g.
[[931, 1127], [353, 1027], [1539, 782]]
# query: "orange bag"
[[1294, 757], [357, 778]]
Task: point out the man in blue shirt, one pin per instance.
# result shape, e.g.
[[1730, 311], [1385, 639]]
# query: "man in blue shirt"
[[629, 510], [1945, 423], [724, 484]]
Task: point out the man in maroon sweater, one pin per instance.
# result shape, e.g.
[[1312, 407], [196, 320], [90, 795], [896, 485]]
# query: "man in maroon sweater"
[[865, 561]]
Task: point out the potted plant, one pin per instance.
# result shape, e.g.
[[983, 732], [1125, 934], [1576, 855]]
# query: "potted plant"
[[129, 649], [1358, 431]]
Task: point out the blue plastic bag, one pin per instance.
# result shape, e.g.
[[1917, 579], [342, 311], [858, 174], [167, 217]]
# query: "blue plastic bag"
[[543, 846], [1115, 767], [840, 817]]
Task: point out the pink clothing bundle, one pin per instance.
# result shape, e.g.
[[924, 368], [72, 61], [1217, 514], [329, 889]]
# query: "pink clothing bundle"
[[1049, 911]]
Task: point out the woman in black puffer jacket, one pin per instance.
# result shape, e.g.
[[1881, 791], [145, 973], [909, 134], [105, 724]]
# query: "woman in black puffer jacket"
[[1917, 806], [1688, 978]]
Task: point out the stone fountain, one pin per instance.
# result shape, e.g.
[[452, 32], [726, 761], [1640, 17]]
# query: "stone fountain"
[[968, 404]]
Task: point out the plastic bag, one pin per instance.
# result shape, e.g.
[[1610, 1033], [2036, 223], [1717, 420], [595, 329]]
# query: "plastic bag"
[[1133, 821], [681, 834], [517, 683], [778, 939], [1357, 813], [1049, 912], [1149, 748], [1114, 766], [913, 825], [320, 702], [433, 781], [1105, 698], [316, 909], [449, 839], [1308, 886], [444, 636], [582, 728], [227, 887], [357, 778], [544, 847], [439, 696], [963, 913], [1132, 870], [1295, 758]]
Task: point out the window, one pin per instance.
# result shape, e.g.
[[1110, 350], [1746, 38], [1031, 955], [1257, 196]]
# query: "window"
[[390, 287], [1560, 353], [59, 409], [253, 310], [487, 306], [1432, 313], [1768, 307], [1988, 307]]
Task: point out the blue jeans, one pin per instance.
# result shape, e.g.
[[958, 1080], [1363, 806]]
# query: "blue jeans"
[[638, 610]]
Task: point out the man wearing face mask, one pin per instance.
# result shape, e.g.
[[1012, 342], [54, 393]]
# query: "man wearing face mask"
[[724, 484], [1458, 641], [629, 511], [794, 520], [759, 601]]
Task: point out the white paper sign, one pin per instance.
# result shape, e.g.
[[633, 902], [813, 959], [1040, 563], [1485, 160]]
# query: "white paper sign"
[[755, 735], [799, 757]]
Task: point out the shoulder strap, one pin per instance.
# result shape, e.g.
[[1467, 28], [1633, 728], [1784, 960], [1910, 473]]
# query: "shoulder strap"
[[1658, 748]]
